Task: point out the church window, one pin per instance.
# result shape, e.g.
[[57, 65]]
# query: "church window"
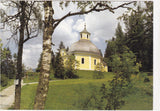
[[94, 61], [82, 61], [87, 36], [81, 35]]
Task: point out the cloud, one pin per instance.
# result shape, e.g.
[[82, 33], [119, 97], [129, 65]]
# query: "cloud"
[[31, 55], [64, 33], [79, 25]]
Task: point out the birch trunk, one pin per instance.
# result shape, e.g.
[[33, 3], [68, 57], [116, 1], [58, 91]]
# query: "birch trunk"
[[43, 84], [19, 58]]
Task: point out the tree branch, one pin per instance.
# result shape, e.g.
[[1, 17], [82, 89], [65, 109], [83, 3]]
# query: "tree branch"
[[98, 7]]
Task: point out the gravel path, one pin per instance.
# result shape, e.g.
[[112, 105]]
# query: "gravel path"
[[7, 96]]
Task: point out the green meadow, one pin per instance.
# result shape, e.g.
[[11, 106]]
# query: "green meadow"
[[70, 94]]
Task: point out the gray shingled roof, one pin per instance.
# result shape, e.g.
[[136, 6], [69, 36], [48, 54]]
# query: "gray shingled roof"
[[85, 46]]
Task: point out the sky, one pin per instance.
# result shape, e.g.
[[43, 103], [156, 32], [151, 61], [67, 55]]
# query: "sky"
[[101, 25]]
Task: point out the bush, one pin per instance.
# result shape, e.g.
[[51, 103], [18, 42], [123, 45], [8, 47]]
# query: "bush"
[[146, 79], [4, 80], [71, 74]]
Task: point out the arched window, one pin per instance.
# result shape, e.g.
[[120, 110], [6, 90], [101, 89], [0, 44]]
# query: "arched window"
[[81, 35], [94, 61], [87, 36], [82, 61]]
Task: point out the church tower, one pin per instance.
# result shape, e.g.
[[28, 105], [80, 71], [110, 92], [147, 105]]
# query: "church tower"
[[85, 34]]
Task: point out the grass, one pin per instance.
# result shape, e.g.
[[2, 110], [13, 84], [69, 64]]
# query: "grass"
[[10, 82], [142, 96], [70, 93]]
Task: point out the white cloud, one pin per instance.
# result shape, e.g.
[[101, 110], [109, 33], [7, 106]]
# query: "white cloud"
[[31, 55], [79, 25], [64, 33]]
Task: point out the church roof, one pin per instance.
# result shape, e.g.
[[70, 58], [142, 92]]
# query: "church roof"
[[84, 46]]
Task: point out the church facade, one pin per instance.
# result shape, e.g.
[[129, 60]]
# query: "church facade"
[[85, 52]]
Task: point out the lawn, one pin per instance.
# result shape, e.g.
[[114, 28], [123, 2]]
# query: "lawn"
[[71, 93]]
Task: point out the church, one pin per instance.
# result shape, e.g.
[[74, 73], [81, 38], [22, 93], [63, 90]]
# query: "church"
[[85, 52]]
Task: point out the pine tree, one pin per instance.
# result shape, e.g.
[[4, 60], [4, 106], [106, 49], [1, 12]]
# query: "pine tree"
[[7, 64], [139, 34], [120, 39], [59, 67]]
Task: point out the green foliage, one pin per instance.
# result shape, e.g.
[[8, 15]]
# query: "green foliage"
[[116, 45], [70, 67], [4, 80], [139, 34], [98, 73], [8, 65], [112, 98], [123, 65], [59, 67]]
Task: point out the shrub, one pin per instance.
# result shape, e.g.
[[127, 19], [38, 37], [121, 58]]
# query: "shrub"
[[98, 73], [71, 74], [4, 80], [146, 79]]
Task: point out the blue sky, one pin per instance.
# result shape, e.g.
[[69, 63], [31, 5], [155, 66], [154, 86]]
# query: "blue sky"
[[101, 25]]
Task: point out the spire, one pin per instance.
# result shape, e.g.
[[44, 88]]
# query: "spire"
[[84, 30], [84, 25]]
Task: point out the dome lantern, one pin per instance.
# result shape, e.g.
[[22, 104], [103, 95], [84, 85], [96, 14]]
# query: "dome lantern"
[[85, 34]]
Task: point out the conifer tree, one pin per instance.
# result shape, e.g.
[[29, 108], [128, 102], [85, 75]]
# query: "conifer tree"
[[7, 64], [59, 67], [139, 34]]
